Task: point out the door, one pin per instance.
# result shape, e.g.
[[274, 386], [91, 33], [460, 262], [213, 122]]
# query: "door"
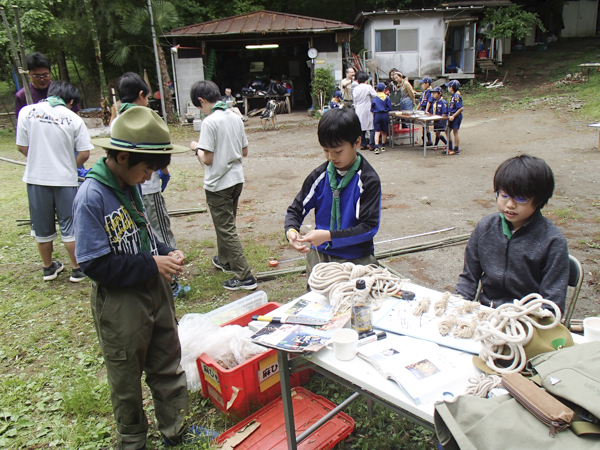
[[468, 63]]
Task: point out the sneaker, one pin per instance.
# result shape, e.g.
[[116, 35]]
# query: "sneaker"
[[50, 273], [234, 284], [376, 151], [193, 435], [382, 149], [77, 275], [219, 265], [178, 290]]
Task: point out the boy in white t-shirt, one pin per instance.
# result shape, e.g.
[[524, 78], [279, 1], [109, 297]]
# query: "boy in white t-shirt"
[[49, 134], [221, 148]]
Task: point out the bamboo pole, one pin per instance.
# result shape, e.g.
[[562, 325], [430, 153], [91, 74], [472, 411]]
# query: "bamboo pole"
[[23, 54], [15, 59], [90, 15], [12, 161], [158, 72]]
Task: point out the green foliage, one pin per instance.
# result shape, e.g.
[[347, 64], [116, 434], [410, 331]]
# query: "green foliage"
[[323, 84], [512, 21]]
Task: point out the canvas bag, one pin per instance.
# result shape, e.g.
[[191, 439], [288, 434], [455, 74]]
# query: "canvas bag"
[[499, 423]]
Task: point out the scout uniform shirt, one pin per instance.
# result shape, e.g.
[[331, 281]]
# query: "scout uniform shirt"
[[455, 104], [439, 107]]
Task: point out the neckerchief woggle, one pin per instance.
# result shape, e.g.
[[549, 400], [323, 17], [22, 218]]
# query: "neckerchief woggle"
[[55, 101], [336, 190], [103, 174]]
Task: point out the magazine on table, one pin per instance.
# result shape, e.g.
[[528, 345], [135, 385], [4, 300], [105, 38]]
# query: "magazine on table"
[[298, 338], [425, 371], [305, 308]]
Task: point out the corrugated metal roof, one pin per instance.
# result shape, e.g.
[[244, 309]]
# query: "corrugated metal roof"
[[364, 14], [260, 22]]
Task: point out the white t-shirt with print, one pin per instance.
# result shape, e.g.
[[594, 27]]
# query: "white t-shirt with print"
[[52, 135], [223, 134]]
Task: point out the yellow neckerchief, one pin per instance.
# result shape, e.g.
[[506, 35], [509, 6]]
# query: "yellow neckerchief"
[[382, 95], [434, 106]]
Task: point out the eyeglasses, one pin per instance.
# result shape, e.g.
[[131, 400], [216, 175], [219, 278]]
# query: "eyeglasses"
[[41, 76], [501, 195]]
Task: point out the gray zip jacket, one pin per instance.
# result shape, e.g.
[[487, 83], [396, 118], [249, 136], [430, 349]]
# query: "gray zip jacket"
[[534, 260]]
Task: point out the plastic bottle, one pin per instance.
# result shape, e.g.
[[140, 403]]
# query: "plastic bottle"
[[362, 313]]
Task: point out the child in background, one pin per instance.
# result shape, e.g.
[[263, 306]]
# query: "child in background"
[[380, 107], [455, 110], [424, 103], [439, 107], [519, 251], [345, 193], [133, 91], [336, 101]]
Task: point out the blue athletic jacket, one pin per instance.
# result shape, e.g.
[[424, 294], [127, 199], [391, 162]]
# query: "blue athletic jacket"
[[360, 210]]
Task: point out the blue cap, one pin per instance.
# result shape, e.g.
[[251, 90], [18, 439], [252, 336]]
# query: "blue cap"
[[337, 94], [380, 87], [425, 80], [454, 84], [437, 89]]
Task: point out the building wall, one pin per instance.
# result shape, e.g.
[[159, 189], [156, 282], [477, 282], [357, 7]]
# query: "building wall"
[[189, 70], [580, 18], [426, 61], [332, 60]]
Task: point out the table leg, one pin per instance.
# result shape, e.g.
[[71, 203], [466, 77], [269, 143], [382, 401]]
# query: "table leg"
[[286, 397], [391, 132], [246, 106], [288, 106], [425, 130]]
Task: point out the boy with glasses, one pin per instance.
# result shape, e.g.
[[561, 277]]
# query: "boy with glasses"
[[519, 251], [41, 78]]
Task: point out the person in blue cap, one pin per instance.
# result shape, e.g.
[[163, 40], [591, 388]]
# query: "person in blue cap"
[[424, 103], [439, 107], [455, 116], [381, 107], [337, 100]]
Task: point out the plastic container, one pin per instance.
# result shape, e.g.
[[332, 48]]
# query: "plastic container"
[[250, 385], [591, 329], [237, 309], [402, 135], [308, 408], [197, 125]]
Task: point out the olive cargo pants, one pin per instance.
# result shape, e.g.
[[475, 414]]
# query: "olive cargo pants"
[[137, 330], [223, 210]]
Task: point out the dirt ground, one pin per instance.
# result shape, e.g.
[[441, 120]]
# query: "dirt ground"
[[420, 194]]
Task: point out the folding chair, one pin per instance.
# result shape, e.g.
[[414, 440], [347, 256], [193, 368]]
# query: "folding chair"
[[575, 281]]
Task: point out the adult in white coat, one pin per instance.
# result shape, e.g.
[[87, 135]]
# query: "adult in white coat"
[[363, 96]]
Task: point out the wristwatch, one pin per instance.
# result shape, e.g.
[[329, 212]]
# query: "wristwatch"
[[196, 151]]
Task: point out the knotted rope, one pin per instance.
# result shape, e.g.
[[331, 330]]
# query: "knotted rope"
[[482, 384], [510, 326], [337, 281], [422, 306]]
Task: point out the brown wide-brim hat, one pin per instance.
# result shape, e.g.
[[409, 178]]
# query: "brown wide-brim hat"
[[140, 130]]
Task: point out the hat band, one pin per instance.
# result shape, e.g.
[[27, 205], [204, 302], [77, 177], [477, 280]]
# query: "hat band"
[[142, 145]]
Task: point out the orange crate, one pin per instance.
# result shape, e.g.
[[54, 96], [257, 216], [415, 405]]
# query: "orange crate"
[[250, 385]]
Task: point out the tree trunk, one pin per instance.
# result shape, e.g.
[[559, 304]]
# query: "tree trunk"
[[103, 91], [62, 65], [166, 90]]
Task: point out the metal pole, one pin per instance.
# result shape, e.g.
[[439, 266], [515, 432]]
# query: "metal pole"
[[286, 397], [15, 59], [23, 55], [160, 84], [175, 79]]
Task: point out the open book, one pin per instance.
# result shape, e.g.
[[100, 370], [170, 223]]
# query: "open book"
[[305, 308], [425, 371]]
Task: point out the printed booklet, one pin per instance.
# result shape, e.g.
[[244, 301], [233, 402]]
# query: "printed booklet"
[[425, 371]]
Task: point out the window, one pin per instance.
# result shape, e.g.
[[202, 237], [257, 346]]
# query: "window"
[[408, 40], [385, 40]]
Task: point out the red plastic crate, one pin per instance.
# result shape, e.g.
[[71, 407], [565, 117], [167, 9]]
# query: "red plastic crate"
[[308, 408], [251, 384]]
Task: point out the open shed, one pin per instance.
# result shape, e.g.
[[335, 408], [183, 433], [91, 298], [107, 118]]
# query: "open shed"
[[262, 45]]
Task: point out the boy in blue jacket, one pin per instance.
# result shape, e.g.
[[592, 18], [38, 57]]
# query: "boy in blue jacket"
[[455, 116], [517, 252], [439, 107], [345, 193], [381, 107]]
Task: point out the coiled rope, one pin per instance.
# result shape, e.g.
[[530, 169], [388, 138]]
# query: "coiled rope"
[[482, 384], [337, 281], [509, 326]]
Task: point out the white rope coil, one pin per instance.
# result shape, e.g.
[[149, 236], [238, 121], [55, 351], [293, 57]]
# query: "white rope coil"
[[509, 326], [482, 384], [337, 281]]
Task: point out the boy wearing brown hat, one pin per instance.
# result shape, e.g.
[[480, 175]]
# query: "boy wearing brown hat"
[[132, 301]]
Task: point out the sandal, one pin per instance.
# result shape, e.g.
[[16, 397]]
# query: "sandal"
[[453, 152]]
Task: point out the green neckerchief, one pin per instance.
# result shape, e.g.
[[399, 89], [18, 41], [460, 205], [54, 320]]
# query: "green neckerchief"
[[505, 227], [125, 106], [336, 189], [218, 105], [103, 174], [55, 101]]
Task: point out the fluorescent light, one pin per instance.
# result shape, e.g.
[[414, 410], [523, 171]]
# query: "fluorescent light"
[[259, 47]]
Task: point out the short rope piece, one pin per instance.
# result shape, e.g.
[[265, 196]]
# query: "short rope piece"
[[422, 306], [510, 327], [482, 384]]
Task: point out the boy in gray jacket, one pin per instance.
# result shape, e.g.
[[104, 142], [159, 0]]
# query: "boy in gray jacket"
[[519, 251]]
